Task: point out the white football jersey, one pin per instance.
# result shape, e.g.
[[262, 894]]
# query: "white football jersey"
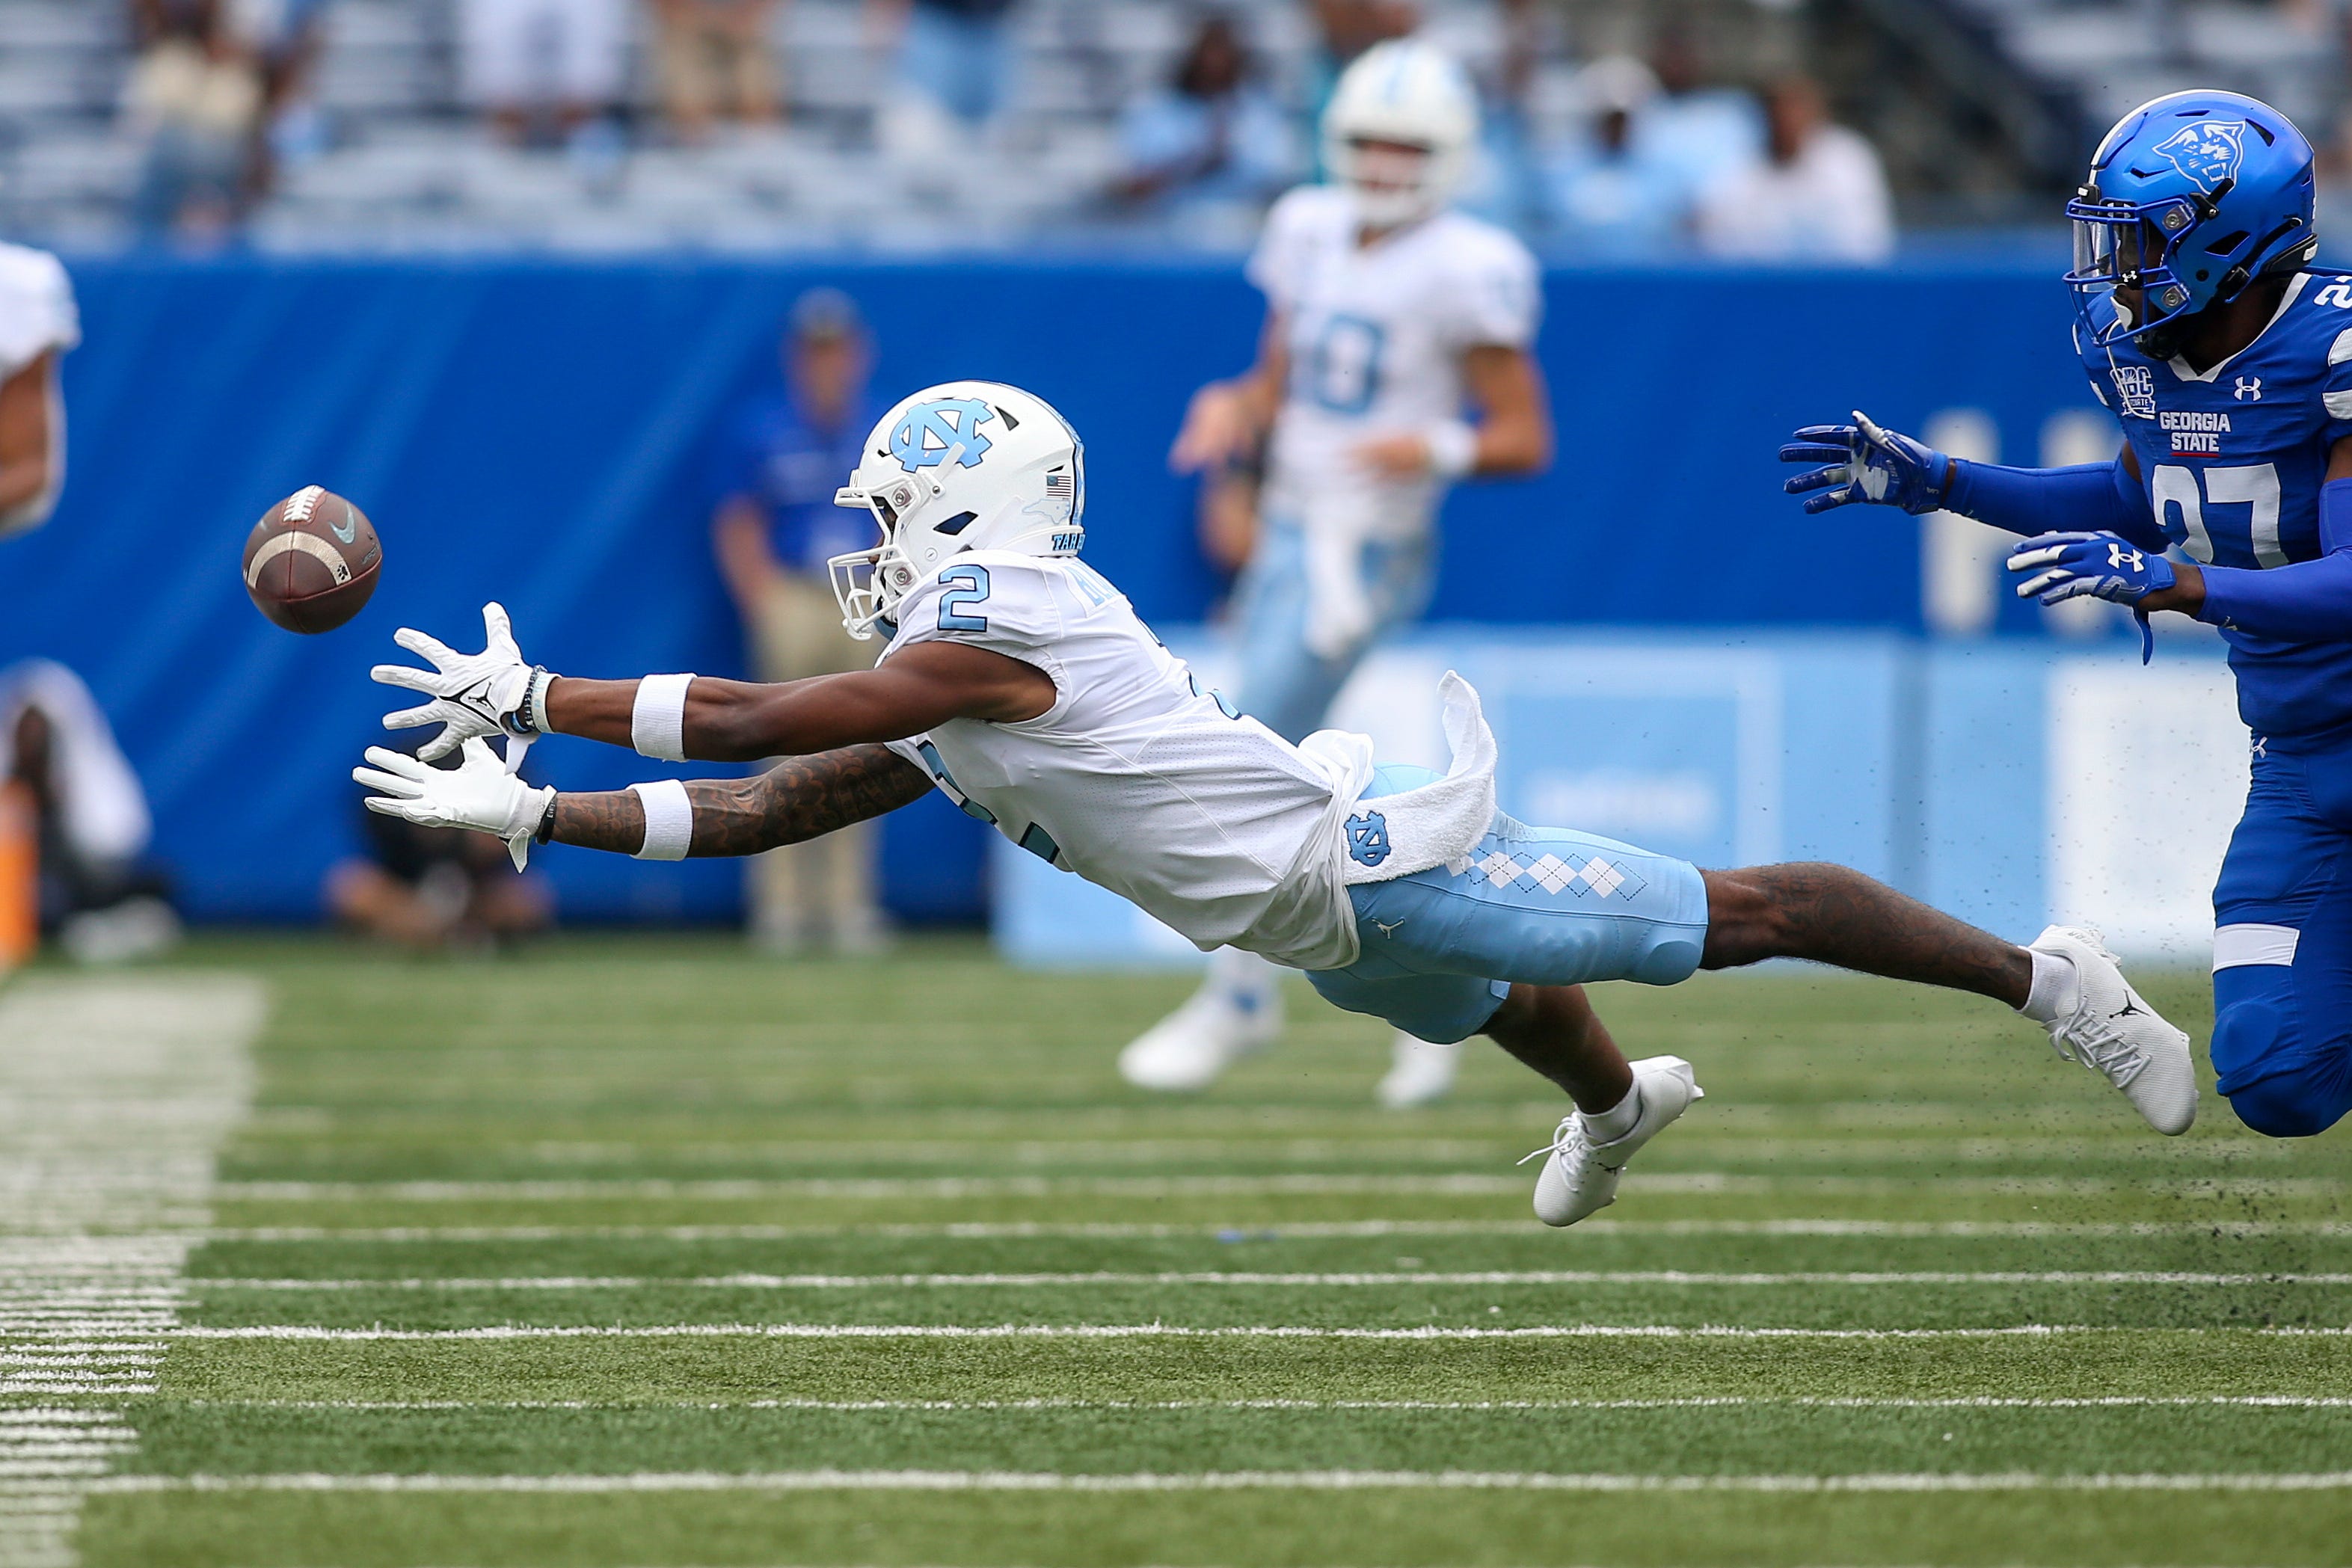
[[37, 308], [1138, 779], [1376, 338]]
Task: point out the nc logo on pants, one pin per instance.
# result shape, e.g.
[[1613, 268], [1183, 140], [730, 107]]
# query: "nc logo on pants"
[[1368, 839]]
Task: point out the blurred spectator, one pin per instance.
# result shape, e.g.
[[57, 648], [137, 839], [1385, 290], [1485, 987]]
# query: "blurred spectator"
[[781, 455], [716, 61], [99, 894], [427, 889], [1818, 194], [1346, 29], [1211, 136], [954, 57], [1615, 197], [542, 68], [38, 326], [1700, 131], [283, 38], [195, 97], [1506, 186]]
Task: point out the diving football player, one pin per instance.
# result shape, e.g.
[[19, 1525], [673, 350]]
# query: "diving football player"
[[2227, 361], [1387, 314], [1019, 683]]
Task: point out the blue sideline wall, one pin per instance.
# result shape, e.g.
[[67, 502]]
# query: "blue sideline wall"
[[534, 432]]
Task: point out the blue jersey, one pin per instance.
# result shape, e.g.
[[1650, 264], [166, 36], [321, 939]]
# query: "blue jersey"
[[2232, 459]]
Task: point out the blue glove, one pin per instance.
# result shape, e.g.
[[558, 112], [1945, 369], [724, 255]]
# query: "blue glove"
[[2105, 566], [1867, 463]]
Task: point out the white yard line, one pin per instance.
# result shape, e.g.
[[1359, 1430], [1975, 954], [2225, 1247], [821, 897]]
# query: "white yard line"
[[1227, 1480], [114, 1095], [977, 1230], [1498, 1277], [1436, 1184], [1702, 1402], [305, 1332]]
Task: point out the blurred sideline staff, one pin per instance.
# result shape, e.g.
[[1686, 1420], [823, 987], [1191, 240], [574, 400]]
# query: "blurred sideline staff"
[[432, 888], [781, 454], [96, 893], [38, 326]]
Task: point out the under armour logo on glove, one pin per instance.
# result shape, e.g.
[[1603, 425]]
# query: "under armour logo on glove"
[[2102, 565]]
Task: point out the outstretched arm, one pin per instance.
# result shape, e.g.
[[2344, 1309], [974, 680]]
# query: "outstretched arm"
[[801, 798], [742, 721]]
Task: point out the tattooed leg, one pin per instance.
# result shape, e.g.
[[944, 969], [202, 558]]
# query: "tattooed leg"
[[1832, 914], [801, 798]]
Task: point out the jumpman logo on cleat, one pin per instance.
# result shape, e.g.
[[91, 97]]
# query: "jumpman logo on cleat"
[[1388, 928]]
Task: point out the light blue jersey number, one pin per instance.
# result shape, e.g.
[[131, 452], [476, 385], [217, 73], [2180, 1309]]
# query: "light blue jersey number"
[[975, 590]]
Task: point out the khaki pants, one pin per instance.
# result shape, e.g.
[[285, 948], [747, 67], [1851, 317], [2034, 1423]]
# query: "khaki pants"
[[825, 885]]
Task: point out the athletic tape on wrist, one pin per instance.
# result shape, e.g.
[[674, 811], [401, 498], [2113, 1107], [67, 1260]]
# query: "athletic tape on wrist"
[[657, 718], [1453, 449], [669, 820]]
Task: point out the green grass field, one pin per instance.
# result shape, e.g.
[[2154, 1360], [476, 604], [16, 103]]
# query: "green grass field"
[[650, 1252]]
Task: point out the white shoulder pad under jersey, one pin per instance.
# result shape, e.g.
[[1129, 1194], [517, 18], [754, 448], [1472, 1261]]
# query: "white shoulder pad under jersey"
[[37, 308], [1138, 777]]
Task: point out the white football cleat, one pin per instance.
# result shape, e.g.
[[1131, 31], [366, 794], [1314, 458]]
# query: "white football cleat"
[[1580, 1176], [2114, 1032], [1419, 1073], [1186, 1051]]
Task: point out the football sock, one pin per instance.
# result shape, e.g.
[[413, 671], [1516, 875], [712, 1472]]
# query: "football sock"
[[1608, 1126], [2057, 990]]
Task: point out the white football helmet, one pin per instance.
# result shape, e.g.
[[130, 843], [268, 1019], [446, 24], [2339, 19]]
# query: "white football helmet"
[[1403, 91], [959, 466]]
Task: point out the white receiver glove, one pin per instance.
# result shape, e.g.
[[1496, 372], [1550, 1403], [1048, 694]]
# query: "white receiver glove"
[[478, 793], [472, 694]]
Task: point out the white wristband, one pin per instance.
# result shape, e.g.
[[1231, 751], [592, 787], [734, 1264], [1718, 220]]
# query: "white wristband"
[[669, 820], [1453, 449], [657, 718]]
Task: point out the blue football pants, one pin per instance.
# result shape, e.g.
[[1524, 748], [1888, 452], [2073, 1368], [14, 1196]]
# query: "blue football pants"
[[1284, 685], [1543, 906], [2282, 946]]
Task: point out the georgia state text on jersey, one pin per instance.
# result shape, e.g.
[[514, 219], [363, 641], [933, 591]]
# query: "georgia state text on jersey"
[[2232, 459], [1375, 334], [1138, 777]]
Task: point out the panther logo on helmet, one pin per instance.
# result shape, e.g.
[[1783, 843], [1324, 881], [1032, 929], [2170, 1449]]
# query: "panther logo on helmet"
[[2207, 152], [928, 434]]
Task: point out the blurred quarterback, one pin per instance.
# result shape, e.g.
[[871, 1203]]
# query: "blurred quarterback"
[[1019, 683], [1388, 316]]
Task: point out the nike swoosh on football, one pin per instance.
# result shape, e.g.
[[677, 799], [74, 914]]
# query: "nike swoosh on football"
[[348, 530]]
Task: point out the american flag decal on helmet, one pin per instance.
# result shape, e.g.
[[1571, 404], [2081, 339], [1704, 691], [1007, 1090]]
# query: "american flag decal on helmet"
[[1061, 484]]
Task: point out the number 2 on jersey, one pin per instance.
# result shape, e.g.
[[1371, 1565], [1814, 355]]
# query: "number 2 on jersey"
[[973, 589], [2253, 485]]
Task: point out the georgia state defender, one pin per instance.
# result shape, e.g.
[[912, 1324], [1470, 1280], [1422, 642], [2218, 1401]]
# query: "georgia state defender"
[[2228, 362], [1387, 314], [1019, 683]]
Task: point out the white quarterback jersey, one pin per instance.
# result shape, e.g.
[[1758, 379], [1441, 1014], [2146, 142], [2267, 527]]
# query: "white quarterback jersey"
[[1375, 338], [1138, 777]]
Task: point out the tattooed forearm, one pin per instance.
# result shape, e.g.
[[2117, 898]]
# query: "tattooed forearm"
[[799, 797], [608, 819]]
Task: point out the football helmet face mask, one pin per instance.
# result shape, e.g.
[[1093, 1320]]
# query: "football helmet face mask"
[[963, 466], [1399, 96], [2191, 198]]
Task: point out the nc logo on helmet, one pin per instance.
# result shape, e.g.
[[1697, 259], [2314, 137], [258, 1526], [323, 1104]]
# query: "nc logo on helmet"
[[932, 430], [2208, 151]]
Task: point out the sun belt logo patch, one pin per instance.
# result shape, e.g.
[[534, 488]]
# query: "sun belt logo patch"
[[932, 430], [2207, 150], [2136, 390]]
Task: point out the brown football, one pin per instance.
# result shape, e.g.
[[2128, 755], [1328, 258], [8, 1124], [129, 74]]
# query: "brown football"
[[312, 562]]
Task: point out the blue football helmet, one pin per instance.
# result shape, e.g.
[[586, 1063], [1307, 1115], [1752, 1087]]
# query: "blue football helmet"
[[2191, 197]]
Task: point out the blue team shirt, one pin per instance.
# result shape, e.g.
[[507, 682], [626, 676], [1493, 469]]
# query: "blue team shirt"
[[773, 454], [2232, 461]]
